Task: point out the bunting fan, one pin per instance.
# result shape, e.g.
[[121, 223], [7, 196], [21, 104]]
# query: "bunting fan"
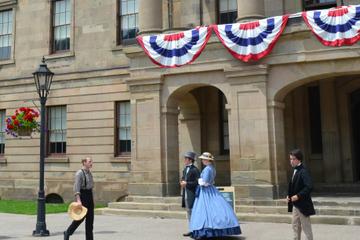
[[335, 27], [177, 49], [253, 40]]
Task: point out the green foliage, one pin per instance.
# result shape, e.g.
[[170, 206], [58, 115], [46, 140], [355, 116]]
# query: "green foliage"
[[30, 207]]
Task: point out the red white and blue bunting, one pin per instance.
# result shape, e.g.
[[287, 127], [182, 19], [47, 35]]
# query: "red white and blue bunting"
[[253, 40], [177, 49], [335, 27]]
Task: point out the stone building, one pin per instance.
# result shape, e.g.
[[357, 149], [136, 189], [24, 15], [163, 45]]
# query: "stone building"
[[109, 101]]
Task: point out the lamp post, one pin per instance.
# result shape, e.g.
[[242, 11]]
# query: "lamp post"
[[43, 78]]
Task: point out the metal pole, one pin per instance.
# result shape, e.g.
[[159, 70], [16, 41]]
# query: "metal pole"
[[40, 224]]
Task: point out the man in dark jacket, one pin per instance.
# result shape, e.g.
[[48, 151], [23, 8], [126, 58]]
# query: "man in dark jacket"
[[188, 183], [299, 198]]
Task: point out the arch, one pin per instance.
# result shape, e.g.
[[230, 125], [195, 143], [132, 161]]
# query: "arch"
[[285, 78], [188, 128], [54, 198]]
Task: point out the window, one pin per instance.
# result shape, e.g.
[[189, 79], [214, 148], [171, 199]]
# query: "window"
[[315, 120], [128, 21], [227, 11], [2, 132], [61, 25], [318, 4], [57, 130], [123, 128], [5, 34], [224, 125]]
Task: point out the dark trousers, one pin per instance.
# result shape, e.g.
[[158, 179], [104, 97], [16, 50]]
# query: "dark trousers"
[[86, 197]]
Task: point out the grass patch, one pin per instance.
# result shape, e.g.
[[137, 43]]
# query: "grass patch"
[[30, 207]]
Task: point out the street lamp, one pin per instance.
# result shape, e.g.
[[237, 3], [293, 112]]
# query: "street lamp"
[[43, 78]]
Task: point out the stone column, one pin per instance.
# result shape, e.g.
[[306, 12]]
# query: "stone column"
[[249, 141], [249, 10], [170, 150], [330, 133], [278, 156], [147, 176], [150, 16]]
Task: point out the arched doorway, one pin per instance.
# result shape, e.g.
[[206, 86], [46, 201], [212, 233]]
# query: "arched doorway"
[[321, 117], [196, 120]]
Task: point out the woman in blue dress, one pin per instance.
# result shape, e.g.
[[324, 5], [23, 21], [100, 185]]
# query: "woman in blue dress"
[[212, 215]]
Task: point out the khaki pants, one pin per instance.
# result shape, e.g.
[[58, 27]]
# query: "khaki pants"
[[300, 221]]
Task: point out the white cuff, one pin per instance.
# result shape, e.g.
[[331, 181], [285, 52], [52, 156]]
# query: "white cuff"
[[201, 182]]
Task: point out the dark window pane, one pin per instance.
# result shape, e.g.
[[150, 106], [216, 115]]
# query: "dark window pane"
[[62, 44], [319, 4], [58, 147], [124, 145], [227, 17], [2, 148]]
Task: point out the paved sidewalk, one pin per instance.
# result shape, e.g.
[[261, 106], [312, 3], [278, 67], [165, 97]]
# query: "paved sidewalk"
[[135, 228]]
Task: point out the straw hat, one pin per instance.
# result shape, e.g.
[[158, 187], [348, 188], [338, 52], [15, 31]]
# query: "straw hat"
[[77, 211], [207, 156]]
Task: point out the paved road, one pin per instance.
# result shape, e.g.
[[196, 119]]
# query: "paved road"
[[135, 228]]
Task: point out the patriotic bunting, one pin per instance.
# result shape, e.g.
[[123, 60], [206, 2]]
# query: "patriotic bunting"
[[174, 50], [253, 40], [335, 27]]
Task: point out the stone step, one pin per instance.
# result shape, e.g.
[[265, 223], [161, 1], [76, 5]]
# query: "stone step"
[[338, 211], [142, 213], [282, 218], [146, 206], [243, 217], [151, 199], [318, 201]]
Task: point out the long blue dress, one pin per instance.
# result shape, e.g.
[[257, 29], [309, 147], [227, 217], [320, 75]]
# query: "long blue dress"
[[212, 215]]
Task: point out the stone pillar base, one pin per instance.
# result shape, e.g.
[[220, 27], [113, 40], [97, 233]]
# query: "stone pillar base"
[[154, 189], [254, 191]]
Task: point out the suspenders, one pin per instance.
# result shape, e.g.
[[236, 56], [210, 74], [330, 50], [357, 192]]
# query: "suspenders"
[[84, 177]]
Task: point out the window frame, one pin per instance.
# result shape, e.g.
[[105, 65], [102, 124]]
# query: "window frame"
[[52, 28], [12, 50], [218, 13], [48, 122], [117, 151], [119, 39], [318, 6], [2, 148]]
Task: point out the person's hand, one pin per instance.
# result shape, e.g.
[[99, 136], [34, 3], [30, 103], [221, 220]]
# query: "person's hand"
[[183, 184], [294, 198], [288, 199]]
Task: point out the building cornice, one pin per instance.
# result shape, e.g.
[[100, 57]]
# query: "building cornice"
[[7, 3]]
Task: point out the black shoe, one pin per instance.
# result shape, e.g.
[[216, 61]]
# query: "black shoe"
[[66, 236], [187, 234]]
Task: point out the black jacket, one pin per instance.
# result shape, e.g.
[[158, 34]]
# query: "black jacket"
[[302, 186], [191, 179]]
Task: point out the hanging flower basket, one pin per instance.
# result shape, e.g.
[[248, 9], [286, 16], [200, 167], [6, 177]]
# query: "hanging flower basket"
[[25, 132], [22, 123]]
